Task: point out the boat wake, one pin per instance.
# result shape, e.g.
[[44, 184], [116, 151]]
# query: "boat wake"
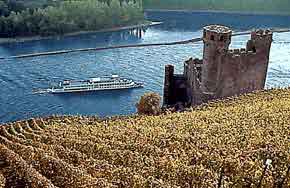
[[40, 91]]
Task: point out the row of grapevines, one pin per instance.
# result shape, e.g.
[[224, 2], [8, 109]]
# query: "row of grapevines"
[[18, 173]]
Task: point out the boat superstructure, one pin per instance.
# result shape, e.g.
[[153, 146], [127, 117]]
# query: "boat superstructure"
[[113, 82]]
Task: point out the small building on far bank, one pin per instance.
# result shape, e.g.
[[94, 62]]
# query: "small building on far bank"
[[222, 72]]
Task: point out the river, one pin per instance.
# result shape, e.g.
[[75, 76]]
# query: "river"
[[18, 77]]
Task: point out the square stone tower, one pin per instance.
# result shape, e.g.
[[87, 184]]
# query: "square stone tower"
[[216, 39]]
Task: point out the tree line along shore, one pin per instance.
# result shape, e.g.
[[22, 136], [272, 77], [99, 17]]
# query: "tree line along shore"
[[17, 39], [61, 17], [253, 6]]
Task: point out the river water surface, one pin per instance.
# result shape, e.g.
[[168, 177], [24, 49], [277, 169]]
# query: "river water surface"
[[18, 77]]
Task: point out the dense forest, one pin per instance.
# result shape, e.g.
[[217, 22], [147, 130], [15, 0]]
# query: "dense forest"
[[36, 17], [273, 6]]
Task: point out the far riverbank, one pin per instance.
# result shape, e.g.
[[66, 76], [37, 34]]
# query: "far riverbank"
[[114, 29], [220, 11]]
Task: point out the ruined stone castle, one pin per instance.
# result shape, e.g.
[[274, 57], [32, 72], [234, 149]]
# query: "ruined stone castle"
[[223, 72]]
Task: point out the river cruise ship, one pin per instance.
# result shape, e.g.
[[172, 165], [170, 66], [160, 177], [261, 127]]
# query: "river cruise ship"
[[113, 82]]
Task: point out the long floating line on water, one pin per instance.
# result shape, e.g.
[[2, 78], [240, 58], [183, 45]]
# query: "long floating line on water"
[[129, 46], [104, 48]]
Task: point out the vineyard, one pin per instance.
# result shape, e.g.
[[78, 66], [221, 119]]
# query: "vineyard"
[[237, 142]]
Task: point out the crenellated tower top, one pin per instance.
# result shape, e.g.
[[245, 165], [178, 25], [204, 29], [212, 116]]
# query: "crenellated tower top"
[[260, 41], [262, 35], [218, 35]]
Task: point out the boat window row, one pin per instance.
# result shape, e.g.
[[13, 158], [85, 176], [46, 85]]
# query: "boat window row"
[[112, 84], [82, 87], [107, 81], [97, 83], [102, 84]]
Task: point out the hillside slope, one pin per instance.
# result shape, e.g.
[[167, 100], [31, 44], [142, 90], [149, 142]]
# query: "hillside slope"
[[222, 144]]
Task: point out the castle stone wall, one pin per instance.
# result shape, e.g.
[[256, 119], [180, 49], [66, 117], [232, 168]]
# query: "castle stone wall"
[[244, 70], [167, 90], [192, 73]]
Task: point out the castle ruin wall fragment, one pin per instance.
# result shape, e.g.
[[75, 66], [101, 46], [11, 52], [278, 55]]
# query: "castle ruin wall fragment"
[[222, 72]]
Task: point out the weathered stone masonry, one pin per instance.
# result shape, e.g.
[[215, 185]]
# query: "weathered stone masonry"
[[223, 72]]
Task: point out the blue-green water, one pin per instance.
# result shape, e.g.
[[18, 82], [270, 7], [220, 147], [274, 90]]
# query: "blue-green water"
[[18, 77]]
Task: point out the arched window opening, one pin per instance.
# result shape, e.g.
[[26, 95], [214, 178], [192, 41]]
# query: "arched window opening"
[[211, 37]]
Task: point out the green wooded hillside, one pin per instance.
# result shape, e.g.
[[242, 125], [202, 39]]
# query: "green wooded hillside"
[[59, 17], [277, 6]]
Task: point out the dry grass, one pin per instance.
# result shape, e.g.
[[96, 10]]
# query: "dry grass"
[[221, 144]]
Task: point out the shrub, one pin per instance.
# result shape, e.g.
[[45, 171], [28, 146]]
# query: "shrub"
[[149, 104]]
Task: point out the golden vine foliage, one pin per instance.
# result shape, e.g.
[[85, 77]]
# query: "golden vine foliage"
[[18, 172], [238, 142], [2, 180]]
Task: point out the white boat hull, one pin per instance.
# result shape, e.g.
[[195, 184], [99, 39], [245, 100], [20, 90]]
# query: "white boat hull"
[[56, 90]]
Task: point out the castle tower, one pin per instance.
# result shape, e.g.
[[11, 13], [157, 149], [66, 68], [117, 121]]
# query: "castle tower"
[[216, 40], [260, 44]]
